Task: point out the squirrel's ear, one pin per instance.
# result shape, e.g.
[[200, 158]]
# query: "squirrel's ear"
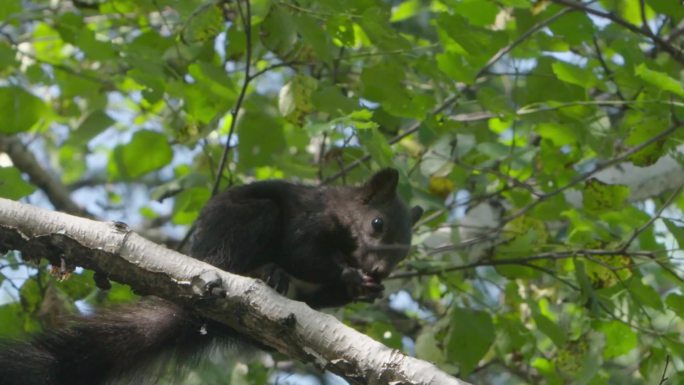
[[416, 213], [382, 185]]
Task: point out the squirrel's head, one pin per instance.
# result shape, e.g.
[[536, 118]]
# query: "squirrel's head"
[[380, 224]]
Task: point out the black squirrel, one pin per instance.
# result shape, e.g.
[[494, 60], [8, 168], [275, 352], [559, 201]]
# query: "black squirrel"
[[326, 246]]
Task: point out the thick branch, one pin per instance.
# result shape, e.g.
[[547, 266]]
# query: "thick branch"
[[250, 306]]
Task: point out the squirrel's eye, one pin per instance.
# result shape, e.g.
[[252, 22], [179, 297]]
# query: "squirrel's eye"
[[377, 224]]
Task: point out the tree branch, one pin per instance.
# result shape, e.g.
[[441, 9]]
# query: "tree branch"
[[410, 130], [657, 40], [599, 166], [288, 326], [542, 24], [246, 18]]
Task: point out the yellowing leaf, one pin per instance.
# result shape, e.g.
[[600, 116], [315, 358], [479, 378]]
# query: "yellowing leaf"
[[294, 99], [599, 197], [440, 186]]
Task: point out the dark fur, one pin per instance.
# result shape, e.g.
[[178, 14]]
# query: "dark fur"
[[315, 243]]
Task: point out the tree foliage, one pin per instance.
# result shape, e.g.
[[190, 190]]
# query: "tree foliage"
[[538, 260]]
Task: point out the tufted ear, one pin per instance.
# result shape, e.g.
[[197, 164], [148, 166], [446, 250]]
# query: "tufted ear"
[[381, 186], [416, 213]]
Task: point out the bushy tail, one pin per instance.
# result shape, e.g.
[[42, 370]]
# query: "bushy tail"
[[92, 350]]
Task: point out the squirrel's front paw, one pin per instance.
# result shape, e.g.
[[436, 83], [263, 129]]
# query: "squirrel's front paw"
[[274, 277], [208, 285], [361, 286]]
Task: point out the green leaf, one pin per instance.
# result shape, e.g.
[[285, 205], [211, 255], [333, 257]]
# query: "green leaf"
[[677, 232], [493, 100], [673, 8], [95, 49], [213, 92], [517, 3], [620, 338], [427, 347], [383, 83], [120, 293], [577, 360], [600, 197], [261, 139], [659, 79], [48, 43], [478, 12], [560, 135], [470, 335], [569, 73], [652, 366], [236, 44], [7, 57], [341, 29], [12, 317], [642, 130], [310, 30], [188, 204], [213, 79], [332, 101], [547, 369], [92, 125], [385, 333], [278, 32], [294, 99], [205, 23], [147, 151], [675, 302], [456, 66], [9, 7], [78, 286], [643, 294], [461, 37], [72, 161], [550, 328], [20, 109], [31, 294], [12, 186], [377, 146], [405, 10], [575, 28], [375, 22]]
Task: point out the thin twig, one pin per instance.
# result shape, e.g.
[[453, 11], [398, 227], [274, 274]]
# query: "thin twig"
[[246, 17], [644, 19], [606, 69], [663, 44], [411, 129], [542, 24], [675, 32], [584, 176], [247, 23], [556, 255], [663, 378], [277, 65], [648, 224]]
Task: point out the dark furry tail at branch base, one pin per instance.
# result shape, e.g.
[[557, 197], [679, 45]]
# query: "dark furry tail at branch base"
[[114, 343]]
